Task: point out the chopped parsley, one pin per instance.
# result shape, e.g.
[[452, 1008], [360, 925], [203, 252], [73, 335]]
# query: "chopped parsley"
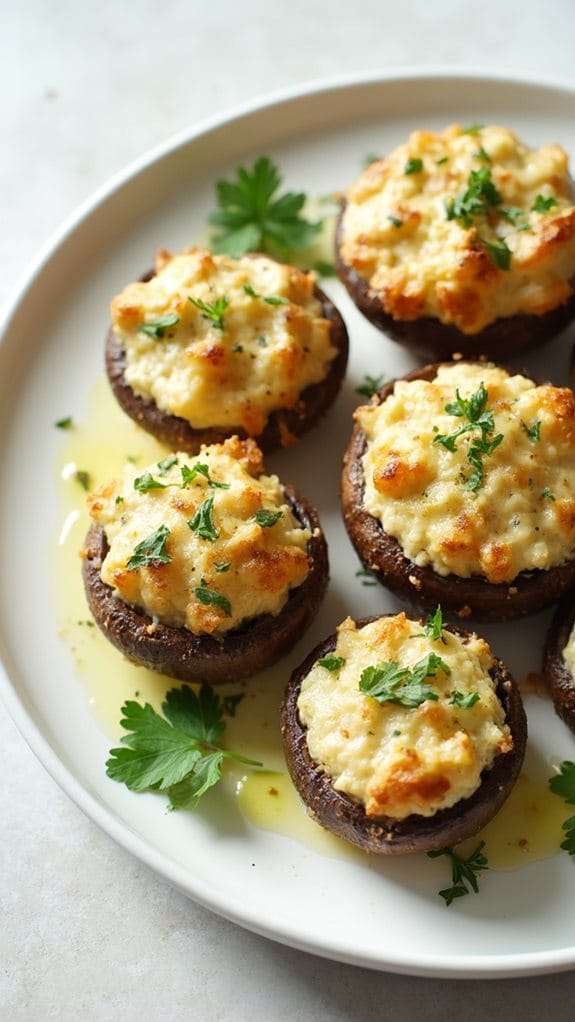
[[543, 205], [479, 199], [266, 518], [83, 477], [473, 129], [563, 784], [433, 627], [331, 663], [202, 522], [465, 700], [546, 494], [180, 752], [222, 566], [499, 252], [482, 155], [212, 311], [533, 431], [463, 872], [270, 299], [212, 598], [395, 221], [324, 269], [413, 166], [66, 423], [367, 577], [370, 385], [252, 217], [200, 469], [147, 482], [151, 550], [474, 411], [167, 463], [157, 327], [388, 682]]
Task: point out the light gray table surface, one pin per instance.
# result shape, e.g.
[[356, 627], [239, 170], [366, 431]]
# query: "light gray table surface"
[[86, 931]]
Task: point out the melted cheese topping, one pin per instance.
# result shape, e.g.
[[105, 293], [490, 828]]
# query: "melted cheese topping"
[[522, 516], [392, 759], [569, 652], [258, 358], [396, 235], [249, 565]]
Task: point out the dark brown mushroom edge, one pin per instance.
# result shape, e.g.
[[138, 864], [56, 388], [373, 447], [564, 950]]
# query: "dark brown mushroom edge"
[[556, 672], [422, 587], [345, 817], [444, 246], [284, 426], [182, 654]]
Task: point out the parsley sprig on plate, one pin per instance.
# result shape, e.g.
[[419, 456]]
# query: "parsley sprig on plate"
[[564, 785], [463, 872], [473, 411], [252, 217], [180, 752]]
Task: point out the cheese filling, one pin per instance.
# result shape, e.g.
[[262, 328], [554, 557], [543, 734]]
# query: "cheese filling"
[[243, 338], [204, 543], [426, 230], [394, 759], [461, 509]]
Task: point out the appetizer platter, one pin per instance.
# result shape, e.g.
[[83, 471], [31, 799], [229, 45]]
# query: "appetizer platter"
[[78, 418]]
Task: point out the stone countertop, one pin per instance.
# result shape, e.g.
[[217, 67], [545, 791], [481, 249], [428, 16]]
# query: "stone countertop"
[[87, 931]]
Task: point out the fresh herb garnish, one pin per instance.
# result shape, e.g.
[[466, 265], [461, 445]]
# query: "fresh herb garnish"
[[434, 625], [252, 218], [147, 482], [267, 518], [157, 327], [543, 205], [178, 753], [533, 431], [482, 155], [395, 221], [499, 252], [563, 784], [463, 872], [370, 158], [413, 166], [513, 215], [270, 299], [167, 463], [331, 663], [465, 700], [474, 411], [65, 423], [231, 703], [473, 129], [324, 269], [213, 311], [83, 477], [222, 566], [202, 522], [370, 385], [480, 197], [546, 494], [367, 577], [388, 682], [200, 469], [212, 598], [151, 550]]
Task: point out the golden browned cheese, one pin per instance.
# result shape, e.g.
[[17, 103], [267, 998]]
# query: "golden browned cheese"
[[217, 542], [398, 234], [269, 343], [518, 516], [395, 759]]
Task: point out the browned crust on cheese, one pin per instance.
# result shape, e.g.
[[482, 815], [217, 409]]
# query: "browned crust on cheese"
[[429, 338], [383, 835], [558, 678], [180, 653], [284, 426], [529, 592]]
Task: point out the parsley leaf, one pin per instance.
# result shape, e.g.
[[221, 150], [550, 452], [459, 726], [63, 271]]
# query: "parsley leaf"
[[479, 198], [147, 482], [212, 598], [533, 431], [157, 327], [200, 469], [546, 494], [178, 753], [213, 311], [463, 872], [151, 551], [413, 166], [331, 663], [167, 463], [83, 477], [473, 129], [202, 522], [252, 217], [434, 625], [370, 386], [65, 423], [270, 299], [366, 576], [395, 221], [464, 700], [499, 252], [563, 784], [388, 682], [543, 205], [266, 518], [474, 410]]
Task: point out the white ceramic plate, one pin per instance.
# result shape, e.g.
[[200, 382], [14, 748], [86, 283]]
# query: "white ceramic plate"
[[386, 914]]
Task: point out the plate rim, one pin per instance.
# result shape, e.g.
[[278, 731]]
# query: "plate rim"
[[480, 967]]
